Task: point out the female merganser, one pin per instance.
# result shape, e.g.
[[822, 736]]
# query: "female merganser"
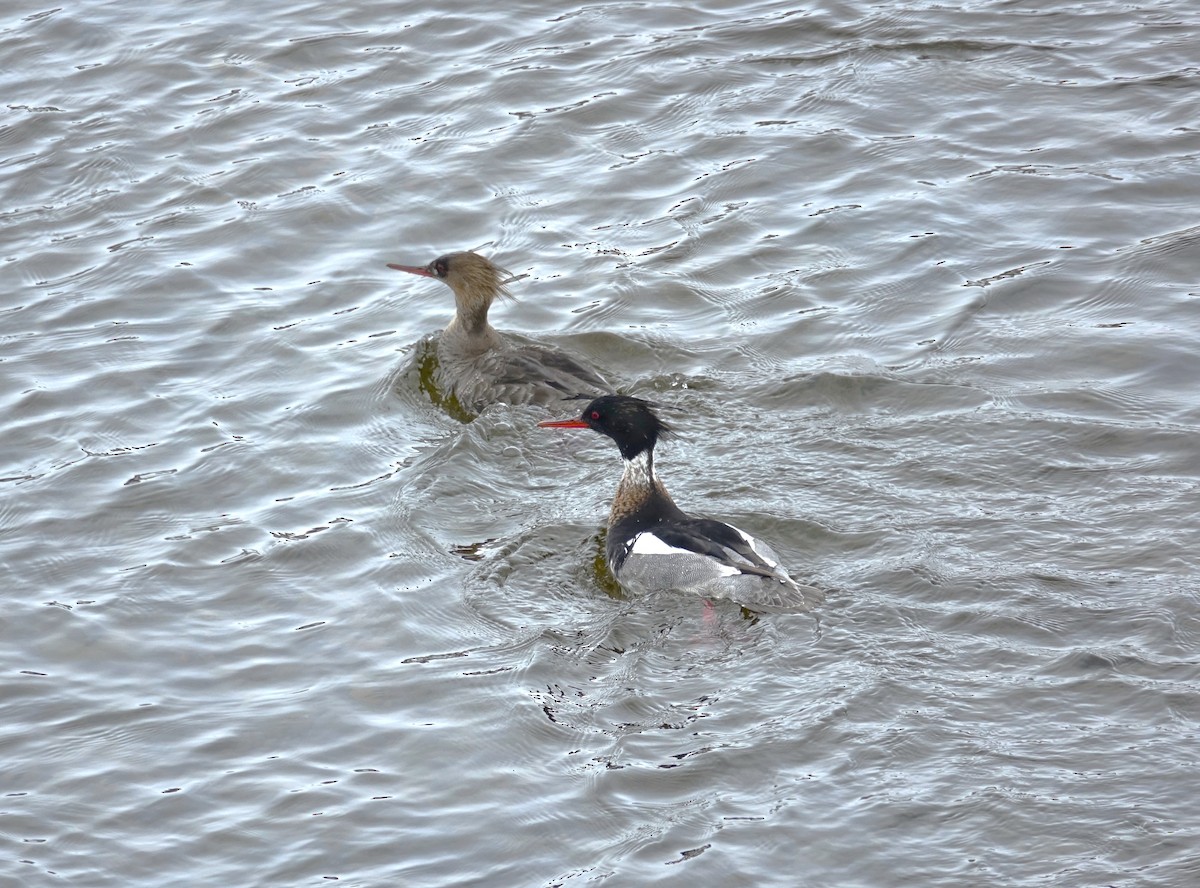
[[477, 364], [654, 545]]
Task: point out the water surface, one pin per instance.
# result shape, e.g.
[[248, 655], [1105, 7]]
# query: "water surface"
[[917, 285]]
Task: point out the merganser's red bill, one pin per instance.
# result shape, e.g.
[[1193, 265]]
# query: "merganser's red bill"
[[563, 424], [412, 269]]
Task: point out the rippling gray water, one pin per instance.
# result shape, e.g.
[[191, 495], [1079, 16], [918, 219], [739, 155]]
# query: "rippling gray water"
[[917, 284]]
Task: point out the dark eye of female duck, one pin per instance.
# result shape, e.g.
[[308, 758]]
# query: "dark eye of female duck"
[[440, 267]]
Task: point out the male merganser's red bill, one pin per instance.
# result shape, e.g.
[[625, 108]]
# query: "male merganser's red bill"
[[480, 366], [654, 545]]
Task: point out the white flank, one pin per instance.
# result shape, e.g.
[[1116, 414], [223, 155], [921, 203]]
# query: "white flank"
[[646, 543]]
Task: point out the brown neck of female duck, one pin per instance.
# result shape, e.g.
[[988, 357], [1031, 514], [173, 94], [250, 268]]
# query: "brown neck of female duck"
[[470, 322]]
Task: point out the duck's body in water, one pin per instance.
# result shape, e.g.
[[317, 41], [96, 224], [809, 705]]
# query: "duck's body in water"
[[654, 545], [480, 366]]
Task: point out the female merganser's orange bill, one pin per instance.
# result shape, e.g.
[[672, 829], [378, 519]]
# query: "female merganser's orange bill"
[[654, 545], [480, 366]]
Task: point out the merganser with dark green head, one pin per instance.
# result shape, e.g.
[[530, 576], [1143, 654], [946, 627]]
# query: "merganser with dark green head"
[[654, 545]]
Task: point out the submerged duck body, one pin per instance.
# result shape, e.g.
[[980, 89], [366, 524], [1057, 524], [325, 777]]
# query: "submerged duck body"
[[480, 366], [654, 545]]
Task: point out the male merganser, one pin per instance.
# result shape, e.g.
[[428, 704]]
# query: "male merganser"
[[654, 545], [476, 363]]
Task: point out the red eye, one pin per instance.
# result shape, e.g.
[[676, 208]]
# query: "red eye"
[[595, 414]]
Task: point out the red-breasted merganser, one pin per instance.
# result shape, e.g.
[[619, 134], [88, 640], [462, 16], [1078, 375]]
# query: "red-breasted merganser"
[[477, 364], [654, 545]]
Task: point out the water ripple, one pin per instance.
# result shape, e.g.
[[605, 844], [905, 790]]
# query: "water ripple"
[[276, 609]]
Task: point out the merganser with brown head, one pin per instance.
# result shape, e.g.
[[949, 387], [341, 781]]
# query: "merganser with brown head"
[[654, 545], [481, 366]]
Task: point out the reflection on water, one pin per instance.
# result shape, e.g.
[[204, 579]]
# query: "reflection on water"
[[426, 360]]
